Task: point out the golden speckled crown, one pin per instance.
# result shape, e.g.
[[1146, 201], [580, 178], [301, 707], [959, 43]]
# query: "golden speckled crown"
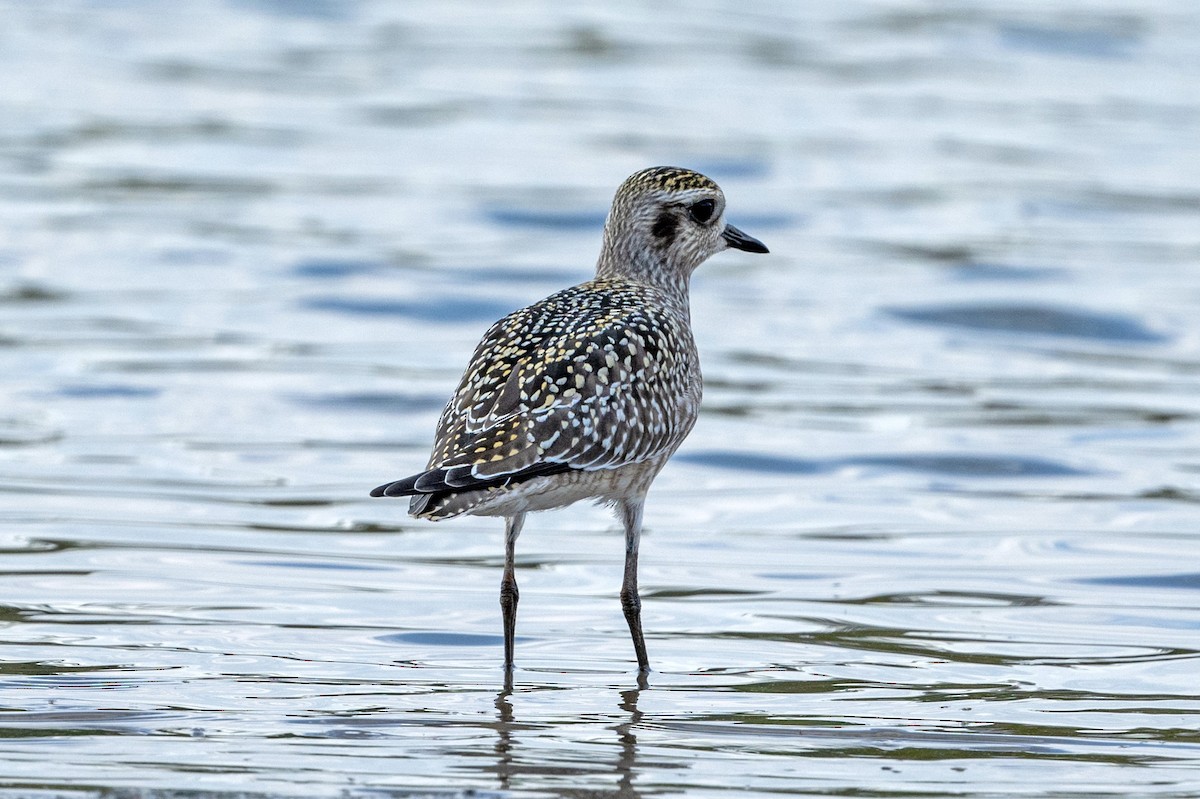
[[668, 178]]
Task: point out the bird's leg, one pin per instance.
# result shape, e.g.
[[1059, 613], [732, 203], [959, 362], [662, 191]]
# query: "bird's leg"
[[630, 511], [508, 585]]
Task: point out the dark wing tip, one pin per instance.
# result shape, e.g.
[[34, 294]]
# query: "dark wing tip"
[[397, 488], [456, 479]]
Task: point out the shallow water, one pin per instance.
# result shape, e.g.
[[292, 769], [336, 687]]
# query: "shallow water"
[[934, 535]]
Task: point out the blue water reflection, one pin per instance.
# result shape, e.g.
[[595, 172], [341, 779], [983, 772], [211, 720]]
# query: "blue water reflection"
[[1035, 320]]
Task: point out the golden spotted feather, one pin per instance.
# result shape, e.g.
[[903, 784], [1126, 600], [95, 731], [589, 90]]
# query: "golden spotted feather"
[[598, 376]]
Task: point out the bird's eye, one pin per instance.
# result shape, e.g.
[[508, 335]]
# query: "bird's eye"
[[702, 211]]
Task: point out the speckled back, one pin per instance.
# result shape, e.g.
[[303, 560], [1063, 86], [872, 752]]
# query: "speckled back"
[[599, 375]]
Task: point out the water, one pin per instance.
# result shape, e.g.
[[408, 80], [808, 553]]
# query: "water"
[[935, 533]]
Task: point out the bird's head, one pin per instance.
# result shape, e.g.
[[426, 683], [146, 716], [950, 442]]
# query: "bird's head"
[[666, 221]]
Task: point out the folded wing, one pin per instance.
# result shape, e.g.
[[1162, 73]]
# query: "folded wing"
[[584, 380]]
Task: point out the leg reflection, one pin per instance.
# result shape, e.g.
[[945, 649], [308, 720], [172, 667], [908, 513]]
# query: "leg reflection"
[[504, 739], [627, 738], [510, 767]]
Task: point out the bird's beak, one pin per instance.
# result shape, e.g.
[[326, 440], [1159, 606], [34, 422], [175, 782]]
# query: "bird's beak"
[[740, 241]]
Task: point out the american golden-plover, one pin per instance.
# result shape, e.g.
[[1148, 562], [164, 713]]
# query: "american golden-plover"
[[586, 394]]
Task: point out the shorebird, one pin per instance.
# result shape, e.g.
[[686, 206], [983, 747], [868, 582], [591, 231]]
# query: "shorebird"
[[587, 393]]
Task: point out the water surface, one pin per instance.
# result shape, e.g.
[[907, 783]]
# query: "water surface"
[[935, 533]]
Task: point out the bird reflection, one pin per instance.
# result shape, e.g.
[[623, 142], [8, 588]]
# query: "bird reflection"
[[509, 768]]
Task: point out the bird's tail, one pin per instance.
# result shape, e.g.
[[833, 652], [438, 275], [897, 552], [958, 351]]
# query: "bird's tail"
[[430, 489]]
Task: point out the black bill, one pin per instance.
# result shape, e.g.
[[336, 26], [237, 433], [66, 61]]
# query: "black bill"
[[740, 241]]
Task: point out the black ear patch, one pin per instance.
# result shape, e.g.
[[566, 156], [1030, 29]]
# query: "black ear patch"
[[664, 227]]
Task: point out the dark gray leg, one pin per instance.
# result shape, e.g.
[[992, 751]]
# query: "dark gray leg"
[[630, 513], [508, 585]]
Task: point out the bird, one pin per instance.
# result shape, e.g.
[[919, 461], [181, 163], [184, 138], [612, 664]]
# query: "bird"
[[587, 393]]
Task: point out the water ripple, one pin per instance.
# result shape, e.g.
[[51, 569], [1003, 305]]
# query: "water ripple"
[[378, 402], [1189, 581], [333, 268], [935, 532], [443, 310], [959, 465], [1086, 42], [1034, 320]]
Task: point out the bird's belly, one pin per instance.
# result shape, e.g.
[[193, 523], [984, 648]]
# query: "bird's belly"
[[560, 490]]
